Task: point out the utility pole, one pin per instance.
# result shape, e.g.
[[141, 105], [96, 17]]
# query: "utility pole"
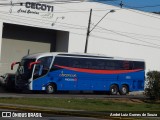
[[88, 31], [121, 4]]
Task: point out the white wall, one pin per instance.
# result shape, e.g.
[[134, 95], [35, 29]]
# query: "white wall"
[[14, 50], [125, 33]]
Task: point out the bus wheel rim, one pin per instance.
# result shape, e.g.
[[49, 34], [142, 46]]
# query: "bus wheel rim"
[[50, 89], [124, 90]]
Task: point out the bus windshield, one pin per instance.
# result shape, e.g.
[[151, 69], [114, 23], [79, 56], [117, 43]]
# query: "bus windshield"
[[42, 67], [23, 68]]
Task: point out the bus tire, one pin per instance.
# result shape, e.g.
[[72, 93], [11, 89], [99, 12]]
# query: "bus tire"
[[50, 88], [113, 89], [124, 90]]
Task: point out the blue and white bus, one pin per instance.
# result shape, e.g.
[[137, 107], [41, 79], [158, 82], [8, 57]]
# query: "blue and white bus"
[[55, 71]]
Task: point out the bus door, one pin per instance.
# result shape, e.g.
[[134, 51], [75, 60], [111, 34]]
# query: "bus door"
[[40, 77]]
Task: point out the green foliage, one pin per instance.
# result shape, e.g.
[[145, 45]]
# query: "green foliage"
[[97, 105], [153, 85]]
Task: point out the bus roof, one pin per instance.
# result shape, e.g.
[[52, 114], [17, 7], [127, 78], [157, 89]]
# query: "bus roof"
[[77, 55]]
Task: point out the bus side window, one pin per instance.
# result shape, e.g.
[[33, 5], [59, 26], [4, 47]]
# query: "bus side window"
[[82, 63], [75, 64], [138, 65], [109, 65], [126, 65], [94, 64], [102, 65], [88, 64]]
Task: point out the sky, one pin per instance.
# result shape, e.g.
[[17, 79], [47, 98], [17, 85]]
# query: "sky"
[[147, 5]]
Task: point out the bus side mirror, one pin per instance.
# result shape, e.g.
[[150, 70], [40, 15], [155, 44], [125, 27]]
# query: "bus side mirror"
[[33, 63], [14, 63]]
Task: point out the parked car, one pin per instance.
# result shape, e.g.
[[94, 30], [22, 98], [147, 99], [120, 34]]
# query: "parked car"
[[8, 81]]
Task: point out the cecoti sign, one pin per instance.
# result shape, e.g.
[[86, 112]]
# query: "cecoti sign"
[[39, 6]]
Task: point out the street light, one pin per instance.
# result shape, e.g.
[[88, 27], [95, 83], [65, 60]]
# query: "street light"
[[89, 31]]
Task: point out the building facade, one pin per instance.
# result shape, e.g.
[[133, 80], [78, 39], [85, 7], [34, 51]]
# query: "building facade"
[[31, 26]]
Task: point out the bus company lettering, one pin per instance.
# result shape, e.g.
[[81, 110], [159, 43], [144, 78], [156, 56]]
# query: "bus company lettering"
[[71, 79], [39, 6], [67, 75]]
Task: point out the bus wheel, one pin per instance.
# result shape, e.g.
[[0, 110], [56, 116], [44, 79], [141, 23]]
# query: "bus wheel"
[[50, 88], [113, 90], [124, 90]]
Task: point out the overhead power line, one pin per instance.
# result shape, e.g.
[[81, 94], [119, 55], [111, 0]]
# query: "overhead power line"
[[142, 13], [75, 26], [107, 38], [130, 37], [131, 34], [40, 20], [132, 43], [116, 40]]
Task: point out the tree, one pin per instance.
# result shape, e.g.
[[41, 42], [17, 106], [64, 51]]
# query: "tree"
[[153, 85]]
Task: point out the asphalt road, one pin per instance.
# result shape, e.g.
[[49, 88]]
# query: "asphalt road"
[[4, 93], [83, 96]]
